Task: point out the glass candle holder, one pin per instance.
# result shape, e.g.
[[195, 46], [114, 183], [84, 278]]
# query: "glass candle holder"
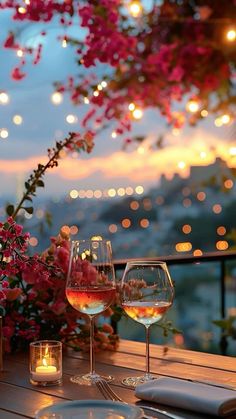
[[46, 363]]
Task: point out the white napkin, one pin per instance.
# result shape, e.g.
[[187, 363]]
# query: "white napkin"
[[198, 397]]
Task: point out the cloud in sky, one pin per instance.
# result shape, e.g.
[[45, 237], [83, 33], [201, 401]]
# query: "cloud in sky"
[[132, 166]]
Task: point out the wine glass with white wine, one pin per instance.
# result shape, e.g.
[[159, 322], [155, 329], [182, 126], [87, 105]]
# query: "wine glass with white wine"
[[147, 293]]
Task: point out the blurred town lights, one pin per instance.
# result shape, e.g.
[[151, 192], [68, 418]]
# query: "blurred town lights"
[[56, 98], [231, 35]]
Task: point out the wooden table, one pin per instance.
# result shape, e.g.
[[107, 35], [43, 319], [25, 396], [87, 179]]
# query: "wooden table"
[[18, 398]]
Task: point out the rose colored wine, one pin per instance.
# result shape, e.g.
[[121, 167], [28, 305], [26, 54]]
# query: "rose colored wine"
[[146, 312], [90, 301]]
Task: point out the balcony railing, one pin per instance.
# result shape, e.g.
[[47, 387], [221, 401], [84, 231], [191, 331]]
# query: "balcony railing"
[[220, 258]]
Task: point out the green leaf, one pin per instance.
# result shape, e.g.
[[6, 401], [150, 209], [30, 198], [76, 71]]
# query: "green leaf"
[[40, 183], [10, 209], [30, 210]]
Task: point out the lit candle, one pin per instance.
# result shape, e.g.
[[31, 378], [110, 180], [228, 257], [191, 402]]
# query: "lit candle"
[[46, 373], [45, 362]]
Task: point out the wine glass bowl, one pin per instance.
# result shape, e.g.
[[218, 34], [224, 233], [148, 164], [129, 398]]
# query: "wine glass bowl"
[[147, 293], [90, 288]]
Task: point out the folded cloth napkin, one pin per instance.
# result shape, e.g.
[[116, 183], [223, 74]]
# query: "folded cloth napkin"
[[198, 397]]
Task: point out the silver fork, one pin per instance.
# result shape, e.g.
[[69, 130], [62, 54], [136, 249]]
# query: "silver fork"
[[109, 394]]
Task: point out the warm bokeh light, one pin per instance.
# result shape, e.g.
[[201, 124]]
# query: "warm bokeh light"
[[181, 165], [225, 119], [113, 228], [232, 151], [39, 213], [144, 223], [126, 223], [121, 191], [86, 100], [17, 119], [201, 196], [204, 113], [135, 8], [64, 43], [33, 241], [228, 184], [218, 122], [56, 98], [19, 53], [197, 252], [176, 132], [221, 230], [186, 191], [129, 190], [96, 93], [74, 193], [65, 229], [217, 208], [137, 113], [139, 190], [134, 205], [4, 133], [147, 204], [203, 154], [186, 229], [71, 119], [187, 202], [113, 134], [97, 193], [89, 194], [183, 247], [111, 192], [231, 35], [74, 230], [22, 10], [222, 245], [131, 107], [4, 98], [192, 106]]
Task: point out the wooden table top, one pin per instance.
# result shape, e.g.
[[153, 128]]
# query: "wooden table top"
[[18, 398]]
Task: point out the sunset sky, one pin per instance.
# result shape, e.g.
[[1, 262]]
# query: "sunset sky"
[[107, 166]]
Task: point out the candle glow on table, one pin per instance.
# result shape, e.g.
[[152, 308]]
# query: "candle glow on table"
[[47, 368]]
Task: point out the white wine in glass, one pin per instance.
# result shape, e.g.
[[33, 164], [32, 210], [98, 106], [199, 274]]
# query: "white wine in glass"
[[147, 293], [90, 289]]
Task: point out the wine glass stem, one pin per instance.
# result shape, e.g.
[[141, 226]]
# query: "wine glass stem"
[[147, 351], [92, 363]]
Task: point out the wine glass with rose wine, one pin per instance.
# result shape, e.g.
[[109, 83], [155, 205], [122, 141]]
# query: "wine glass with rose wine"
[[147, 293], [90, 288]]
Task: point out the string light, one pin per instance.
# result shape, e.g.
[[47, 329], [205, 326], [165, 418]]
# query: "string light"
[[114, 134], [131, 107], [204, 113], [86, 100], [17, 119], [4, 98], [137, 113], [135, 8], [19, 53], [71, 119], [56, 98], [192, 106], [4, 133], [22, 10], [104, 84], [231, 35]]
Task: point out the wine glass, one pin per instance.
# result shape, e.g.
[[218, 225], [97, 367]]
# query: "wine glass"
[[90, 288], [147, 292]]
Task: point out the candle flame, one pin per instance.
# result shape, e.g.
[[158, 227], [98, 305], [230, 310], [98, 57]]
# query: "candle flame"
[[44, 362]]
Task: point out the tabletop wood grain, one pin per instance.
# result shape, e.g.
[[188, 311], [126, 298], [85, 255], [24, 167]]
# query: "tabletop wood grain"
[[19, 398]]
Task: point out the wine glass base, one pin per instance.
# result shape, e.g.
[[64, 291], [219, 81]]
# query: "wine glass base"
[[89, 379], [135, 381]]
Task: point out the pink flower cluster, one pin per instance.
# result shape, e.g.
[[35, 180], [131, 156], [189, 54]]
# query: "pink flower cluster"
[[32, 295]]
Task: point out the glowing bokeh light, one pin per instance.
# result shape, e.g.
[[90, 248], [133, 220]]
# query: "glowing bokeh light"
[[17, 119], [222, 245], [56, 98], [221, 230]]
